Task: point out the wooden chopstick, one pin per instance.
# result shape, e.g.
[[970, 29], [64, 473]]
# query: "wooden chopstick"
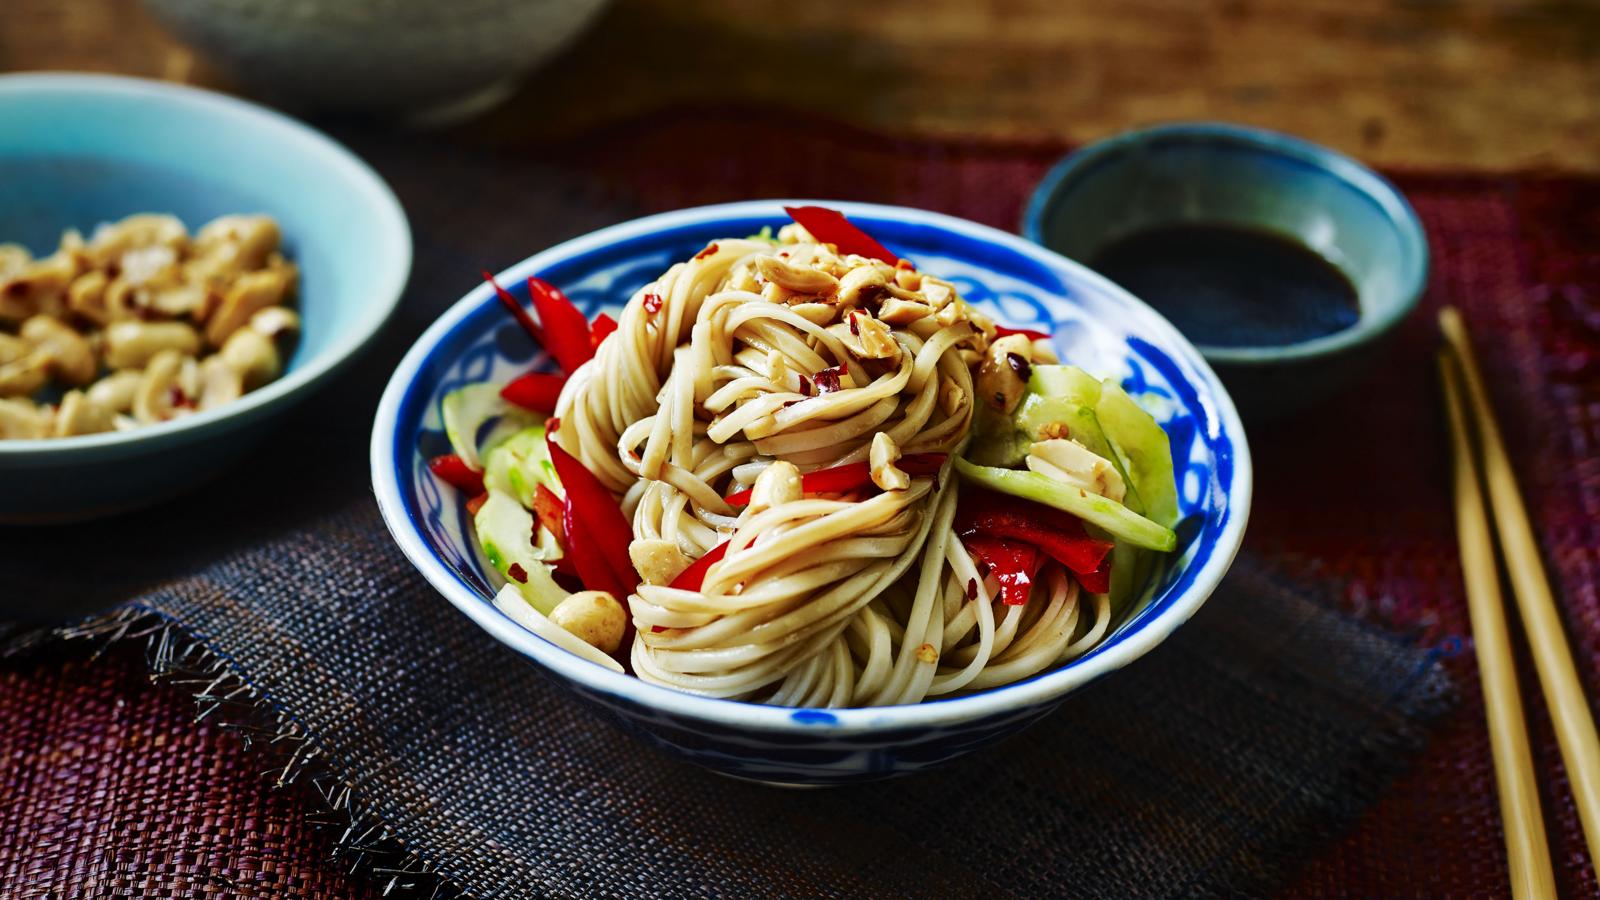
[[1527, 848], [1558, 676]]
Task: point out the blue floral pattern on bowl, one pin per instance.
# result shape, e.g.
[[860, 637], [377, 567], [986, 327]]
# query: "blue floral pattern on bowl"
[[1095, 325]]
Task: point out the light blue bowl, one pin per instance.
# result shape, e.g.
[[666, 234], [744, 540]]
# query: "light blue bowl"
[[77, 150], [1230, 174], [1095, 323]]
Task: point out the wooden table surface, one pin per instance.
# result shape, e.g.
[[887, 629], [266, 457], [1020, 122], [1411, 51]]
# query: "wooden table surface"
[[1474, 84]]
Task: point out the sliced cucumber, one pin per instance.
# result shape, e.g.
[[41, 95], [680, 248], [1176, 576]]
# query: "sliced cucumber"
[[506, 534], [1130, 566], [1037, 413], [1143, 451], [1056, 394], [1120, 521], [996, 440], [519, 463], [1111, 424], [466, 410], [1065, 383]]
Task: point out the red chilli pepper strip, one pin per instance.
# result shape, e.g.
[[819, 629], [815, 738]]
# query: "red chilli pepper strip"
[[1098, 581], [692, 578], [476, 503], [851, 476], [454, 471], [600, 329], [922, 465], [1012, 563], [549, 508], [593, 568], [1059, 534], [516, 310], [836, 480], [601, 556], [567, 328], [831, 227], [823, 481], [537, 391], [1032, 335]]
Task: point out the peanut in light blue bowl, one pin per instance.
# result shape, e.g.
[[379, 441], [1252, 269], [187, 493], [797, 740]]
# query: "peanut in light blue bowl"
[[77, 150], [1217, 173]]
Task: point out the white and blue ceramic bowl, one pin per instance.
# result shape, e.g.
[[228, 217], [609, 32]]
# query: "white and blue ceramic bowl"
[[1097, 325], [77, 150]]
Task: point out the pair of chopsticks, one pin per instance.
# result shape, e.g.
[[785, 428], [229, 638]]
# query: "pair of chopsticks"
[[1527, 848]]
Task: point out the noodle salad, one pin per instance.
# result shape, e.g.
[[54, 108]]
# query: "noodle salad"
[[795, 470]]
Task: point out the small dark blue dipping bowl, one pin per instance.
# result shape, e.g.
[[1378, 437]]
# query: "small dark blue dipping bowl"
[[1286, 263]]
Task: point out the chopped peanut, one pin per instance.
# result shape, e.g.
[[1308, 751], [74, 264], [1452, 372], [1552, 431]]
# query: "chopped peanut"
[[594, 617], [882, 458], [777, 484], [896, 311], [797, 279], [657, 561], [1003, 377], [122, 315], [1072, 463], [866, 336], [861, 285]]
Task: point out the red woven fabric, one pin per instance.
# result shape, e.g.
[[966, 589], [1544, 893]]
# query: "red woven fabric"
[[1359, 490], [1515, 255], [110, 787]]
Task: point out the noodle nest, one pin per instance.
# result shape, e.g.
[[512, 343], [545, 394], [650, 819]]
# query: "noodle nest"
[[747, 366]]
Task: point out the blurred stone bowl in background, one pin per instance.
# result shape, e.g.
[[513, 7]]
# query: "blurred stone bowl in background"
[[426, 61]]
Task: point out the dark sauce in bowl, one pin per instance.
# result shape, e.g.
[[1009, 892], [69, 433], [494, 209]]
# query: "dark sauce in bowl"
[[1231, 286]]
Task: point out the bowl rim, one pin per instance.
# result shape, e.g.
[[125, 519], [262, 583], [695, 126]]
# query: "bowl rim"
[[385, 287], [1039, 689], [1047, 197]]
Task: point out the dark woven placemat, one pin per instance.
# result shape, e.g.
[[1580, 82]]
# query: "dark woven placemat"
[[1205, 769], [1216, 765]]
